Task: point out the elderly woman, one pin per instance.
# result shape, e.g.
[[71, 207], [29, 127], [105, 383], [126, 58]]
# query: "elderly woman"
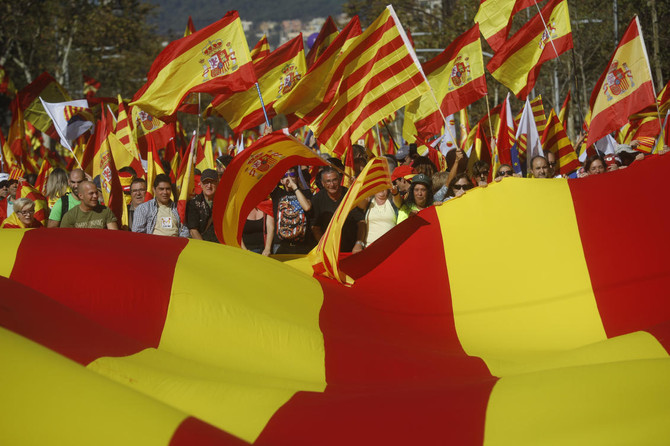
[[23, 216]]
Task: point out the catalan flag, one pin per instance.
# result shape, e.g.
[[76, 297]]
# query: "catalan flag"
[[538, 114], [214, 60], [494, 18], [261, 50], [555, 140], [517, 63], [376, 75], [250, 178], [527, 136], [563, 114], [374, 178], [126, 136], [91, 86], [326, 36], [624, 88], [457, 78], [278, 74], [171, 357], [6, 85]]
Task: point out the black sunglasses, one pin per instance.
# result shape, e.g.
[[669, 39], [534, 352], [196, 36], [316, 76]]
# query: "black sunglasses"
[[505, 173], [462, 186]]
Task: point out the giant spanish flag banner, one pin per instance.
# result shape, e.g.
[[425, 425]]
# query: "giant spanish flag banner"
[[215, 345], [517, 63], [214, 60], [624, 88], [278, 73], [457, 78], [495, 19], [375, 76], [250, 178]]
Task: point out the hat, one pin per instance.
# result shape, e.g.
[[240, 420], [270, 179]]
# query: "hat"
[[403, 171], [209, 174], [402, 153], [4, 176], [422, 178]]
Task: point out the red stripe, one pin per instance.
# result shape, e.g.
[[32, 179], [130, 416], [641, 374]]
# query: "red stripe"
[[134, 304], [626, 243], [450, 53], [562, 44], [193, 431], [396, 371], [461, 98]]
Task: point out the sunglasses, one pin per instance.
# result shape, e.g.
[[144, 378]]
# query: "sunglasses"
[[290, 174], [462, 186], [505, 173]]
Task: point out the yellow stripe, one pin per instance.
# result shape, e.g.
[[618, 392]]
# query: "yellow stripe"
[[539, 271], [48, 399], [234, 348], [10, 239], [625, 389]]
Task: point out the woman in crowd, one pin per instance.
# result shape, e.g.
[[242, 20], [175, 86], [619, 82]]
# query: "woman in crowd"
[[56, 186], [594, 165], [380, 216], [23, 215], [458, 186], [259, 229], [420, 196]]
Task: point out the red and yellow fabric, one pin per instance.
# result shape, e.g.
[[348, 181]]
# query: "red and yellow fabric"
[[505, 139], [624, 88], [563, 114], [6, 85], [457, 78], [204, 157], [538, 114], [91, 86], [495, 19], [16, 138], [43, 175], [169, 357], [214, 60], [308, 100], [45, 87], [376, 75], [326, 36], [190, 27], [261, 50], [124, 133], [663, 100], [186, 180], [146, 127], [517, 63], [104, 167], [374, 178], [25, 190], [250, 178], [643, 127], [555, 140], [277, 74]]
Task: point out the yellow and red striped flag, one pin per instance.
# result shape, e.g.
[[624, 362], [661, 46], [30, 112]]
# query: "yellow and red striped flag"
[[104, 167], [376, 75], [555, 140], [457, 78], [277, 73], [124, 132], [374, 178], [91, 86], [250, 178], [495, 19], [261, 50], [214, 60], [204, 157], [16, 139], [517, 63], [563, 114], [190, 27], [186, 179], [326, 36], [42, 176], [538, 114], [624, 88], [6, 85]]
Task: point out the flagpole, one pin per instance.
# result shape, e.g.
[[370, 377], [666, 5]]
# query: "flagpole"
[[489, 115], [444, 119], [574, 78], [379, 139], [265, 113], [395, 145]]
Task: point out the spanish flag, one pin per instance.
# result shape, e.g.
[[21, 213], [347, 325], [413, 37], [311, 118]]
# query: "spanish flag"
[[517, 63], [495, 19], [457, 78], [376, 75], [204, 155], [190, 27], [104, 166], [374, 178], [186, 179], [146, 127], [277, 74], [555, 140], [261, 50], [325, 37], [214, 60], [250, 178], [624, 88]]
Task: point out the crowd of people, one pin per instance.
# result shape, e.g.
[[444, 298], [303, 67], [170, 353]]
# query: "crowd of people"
[[297, 212]]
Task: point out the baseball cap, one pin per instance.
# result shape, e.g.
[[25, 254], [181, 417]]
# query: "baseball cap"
[[403, 171], [422, 178], [209, 174]]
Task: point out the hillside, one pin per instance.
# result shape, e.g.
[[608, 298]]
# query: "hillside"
[[171, 15]]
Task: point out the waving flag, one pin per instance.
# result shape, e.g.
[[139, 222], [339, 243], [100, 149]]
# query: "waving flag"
[[6, 85], [44, 87], [146, 127], [214, 60], [250, 178], [325, 37], [457, 78], [277, 74], [495, 19], [555, 140], [261, 50], [190, 27], [91, 86], [624, 88], [71, 119], [517, 63], [527, 137]]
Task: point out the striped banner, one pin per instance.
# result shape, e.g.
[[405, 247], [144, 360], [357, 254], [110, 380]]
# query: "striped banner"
[[434, 343]]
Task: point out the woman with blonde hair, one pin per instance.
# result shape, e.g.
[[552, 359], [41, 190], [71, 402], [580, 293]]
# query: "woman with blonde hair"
[[56, 186], [23, 216]]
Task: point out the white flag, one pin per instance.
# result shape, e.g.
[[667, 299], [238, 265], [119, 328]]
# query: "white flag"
[[71, 129]]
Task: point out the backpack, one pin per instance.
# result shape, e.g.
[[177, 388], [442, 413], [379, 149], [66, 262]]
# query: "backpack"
[[291, 220]]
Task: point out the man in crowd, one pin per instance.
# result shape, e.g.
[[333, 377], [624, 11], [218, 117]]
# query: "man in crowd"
[[539, 167], [551, 162], [7, 203], [325, 203], [199, 209], [67, 201], [89, 213], [138, 190], [159, 216]]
